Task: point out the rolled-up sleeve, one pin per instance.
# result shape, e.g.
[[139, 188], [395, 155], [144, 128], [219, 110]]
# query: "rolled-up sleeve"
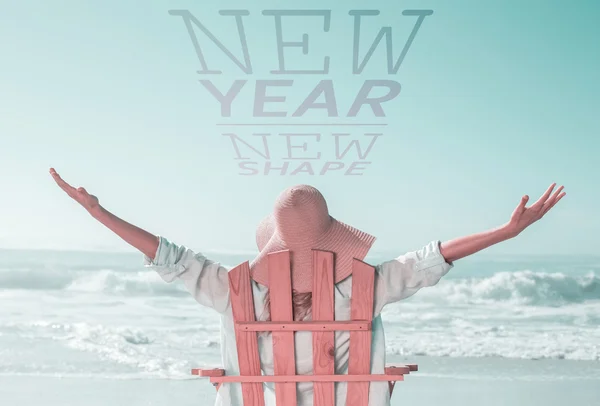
[[405, 275], [206, 280]]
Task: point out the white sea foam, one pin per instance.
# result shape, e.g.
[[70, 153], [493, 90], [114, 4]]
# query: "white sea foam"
[[523, 288]]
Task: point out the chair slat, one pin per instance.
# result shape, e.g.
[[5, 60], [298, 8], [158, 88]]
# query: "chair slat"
[[359, 363], [242, 305], [281, 310], [323, 342]]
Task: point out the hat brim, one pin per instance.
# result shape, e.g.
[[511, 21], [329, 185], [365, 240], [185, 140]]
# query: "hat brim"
[[345, 241]]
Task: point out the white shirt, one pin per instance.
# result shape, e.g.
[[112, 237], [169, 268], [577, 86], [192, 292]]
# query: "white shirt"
[[208, 283]]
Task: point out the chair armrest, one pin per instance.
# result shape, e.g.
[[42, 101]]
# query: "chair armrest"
[[397, 370], [208, 372], [401, 369]]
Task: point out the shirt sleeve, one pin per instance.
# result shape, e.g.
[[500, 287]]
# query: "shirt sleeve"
[[206, 280], [403, 276]]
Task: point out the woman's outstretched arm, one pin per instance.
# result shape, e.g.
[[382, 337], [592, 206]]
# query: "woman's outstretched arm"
[[521, 218], [144, 241]]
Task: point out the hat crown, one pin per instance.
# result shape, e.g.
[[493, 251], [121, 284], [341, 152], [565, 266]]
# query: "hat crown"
[[301, 214], [300, 223]]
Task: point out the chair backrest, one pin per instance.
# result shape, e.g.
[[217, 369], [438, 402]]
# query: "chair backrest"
[[323, 327]]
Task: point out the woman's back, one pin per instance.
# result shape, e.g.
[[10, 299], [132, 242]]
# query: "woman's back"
[[208, 282]]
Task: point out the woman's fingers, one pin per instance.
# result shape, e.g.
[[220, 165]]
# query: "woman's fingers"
[[63, 185], [553, 202], [522, 204], [553, 199], [545, 196], [555, 195]]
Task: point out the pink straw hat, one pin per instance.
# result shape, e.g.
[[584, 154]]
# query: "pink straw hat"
[[300, 223]]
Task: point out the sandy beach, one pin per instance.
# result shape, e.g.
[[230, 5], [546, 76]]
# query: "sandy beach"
[[448, 381]]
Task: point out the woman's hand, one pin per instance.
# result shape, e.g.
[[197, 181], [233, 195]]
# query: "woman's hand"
[[523, 217], [133, 235], [80, 195]]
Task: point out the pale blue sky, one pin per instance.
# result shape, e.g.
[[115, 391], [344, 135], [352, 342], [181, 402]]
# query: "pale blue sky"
[[499, 99]]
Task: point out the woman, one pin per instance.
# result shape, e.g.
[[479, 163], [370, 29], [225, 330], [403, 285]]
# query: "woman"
[[300, 222]]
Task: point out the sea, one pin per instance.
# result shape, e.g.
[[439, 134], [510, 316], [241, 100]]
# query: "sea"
[[85, 317]]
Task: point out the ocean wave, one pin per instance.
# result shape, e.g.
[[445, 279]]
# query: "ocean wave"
[[105, 281], [521, 288]]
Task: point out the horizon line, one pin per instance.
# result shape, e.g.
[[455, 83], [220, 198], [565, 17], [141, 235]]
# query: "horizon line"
[[255, 252], [303, 124]]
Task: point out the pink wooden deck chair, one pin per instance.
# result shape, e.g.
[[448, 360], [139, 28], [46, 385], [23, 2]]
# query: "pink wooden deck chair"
[[322, 326]]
